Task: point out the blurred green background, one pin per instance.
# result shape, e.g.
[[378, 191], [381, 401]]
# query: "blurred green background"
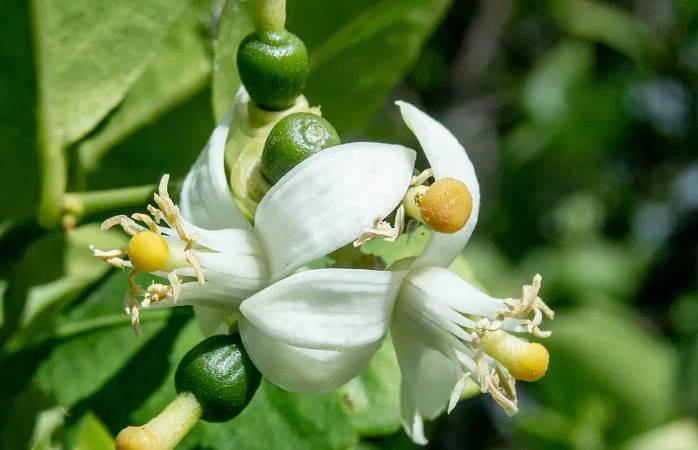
[[580, 117]]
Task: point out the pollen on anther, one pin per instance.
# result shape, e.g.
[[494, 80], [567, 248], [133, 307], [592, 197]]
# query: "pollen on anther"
[[446, 206], [148, 251]]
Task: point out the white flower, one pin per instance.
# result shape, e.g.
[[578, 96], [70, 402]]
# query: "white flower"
[[314, 331], [214, 258]]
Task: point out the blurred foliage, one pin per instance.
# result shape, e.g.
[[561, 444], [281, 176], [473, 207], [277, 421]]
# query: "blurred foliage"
[[579, 115]]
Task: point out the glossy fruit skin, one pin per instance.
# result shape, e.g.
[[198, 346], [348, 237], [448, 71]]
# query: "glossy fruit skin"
[[221, 376], [293, 139], [273, 66]]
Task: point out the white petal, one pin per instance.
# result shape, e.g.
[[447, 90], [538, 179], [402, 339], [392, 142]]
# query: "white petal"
[[211, 320], [429, 373], [326, 309], [210, 295], [206, 200], [448, 159], [328, 200], [450, 289], [302, 370]]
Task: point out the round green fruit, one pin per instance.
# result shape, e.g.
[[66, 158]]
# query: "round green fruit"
[[293, 139], [220, 374], [273, 67]]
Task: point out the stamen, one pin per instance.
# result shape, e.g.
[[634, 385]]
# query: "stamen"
[[529, 303], [170, 212], [457, 391], [148, 221], [422, 177], [110, 256], [382, 229], [128, 225], [191, 257]]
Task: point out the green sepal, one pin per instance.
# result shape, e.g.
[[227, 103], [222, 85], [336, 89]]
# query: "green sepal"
[[273, 66], [293, 139], [220, 374]]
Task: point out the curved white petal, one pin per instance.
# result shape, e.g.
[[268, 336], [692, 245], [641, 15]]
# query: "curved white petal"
[[326, 309], [453, 291], [299, 369], [206, 200], [328, 200], [211, 320], [429, 371], [448, 159], [210, 295]]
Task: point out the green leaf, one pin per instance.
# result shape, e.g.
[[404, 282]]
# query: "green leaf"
[[179, 70], [52, 272], [81, 363], [94, 436], [353, 71], [274, 419], [236, 22], [373, 398], [605, 23], [595, 352], [168, 145], [19, 183], [316, 20], [90, 53], [545, 92], [678, 435]]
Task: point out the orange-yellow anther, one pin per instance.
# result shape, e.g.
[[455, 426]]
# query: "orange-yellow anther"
[[526, 361], [136, 438], [148, 251], [446, 206]]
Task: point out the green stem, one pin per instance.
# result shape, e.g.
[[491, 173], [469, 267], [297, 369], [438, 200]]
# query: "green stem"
[[52, 158], [80, 204], [270, 15]]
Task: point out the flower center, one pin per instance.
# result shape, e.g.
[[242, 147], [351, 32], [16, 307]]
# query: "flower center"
[[148, 251]]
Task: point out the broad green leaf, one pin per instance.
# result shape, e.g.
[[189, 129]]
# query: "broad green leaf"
[[678, 435], [19, 183], [52, 272], [597, 352], [545, 92], [168, 145], [80, 363], [90, 53], [94, 436], [179, 70], [606, 23], [353, 71], [316, 20], [373, 398], [235, 23], [274, 419]]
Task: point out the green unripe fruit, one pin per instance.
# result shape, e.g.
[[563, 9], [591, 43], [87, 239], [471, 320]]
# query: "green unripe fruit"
[[220, 374], [273, 67], [293, 139]]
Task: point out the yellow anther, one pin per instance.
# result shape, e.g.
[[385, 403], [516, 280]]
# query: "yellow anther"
[[526, 361], [148, 251], [446, 205]]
